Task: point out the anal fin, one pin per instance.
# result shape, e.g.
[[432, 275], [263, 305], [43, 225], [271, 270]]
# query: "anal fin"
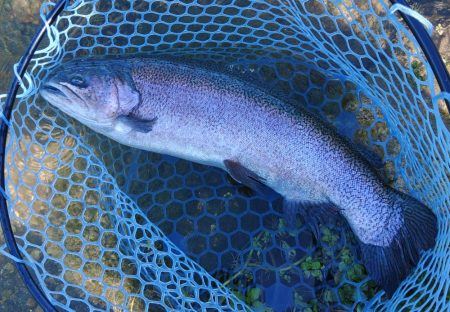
[[249, 178], [314, 213]]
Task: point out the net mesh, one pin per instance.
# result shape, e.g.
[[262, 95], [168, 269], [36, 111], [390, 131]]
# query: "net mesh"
[[104, 226]]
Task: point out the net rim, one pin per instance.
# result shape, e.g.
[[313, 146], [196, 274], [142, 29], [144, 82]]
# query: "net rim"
[[429, 49]]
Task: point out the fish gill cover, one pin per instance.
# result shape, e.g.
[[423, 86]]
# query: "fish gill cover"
[[104, 226]]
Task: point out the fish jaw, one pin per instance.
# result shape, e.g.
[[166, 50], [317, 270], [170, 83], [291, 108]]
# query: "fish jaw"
[[57, 94]]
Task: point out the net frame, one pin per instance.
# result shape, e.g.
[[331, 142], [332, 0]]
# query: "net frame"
[[421, 35]]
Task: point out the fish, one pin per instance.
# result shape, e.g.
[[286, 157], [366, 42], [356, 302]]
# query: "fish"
[[217, 119]]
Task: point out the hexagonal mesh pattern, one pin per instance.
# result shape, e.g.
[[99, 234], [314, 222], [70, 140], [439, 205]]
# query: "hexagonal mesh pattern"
[[105, 226]]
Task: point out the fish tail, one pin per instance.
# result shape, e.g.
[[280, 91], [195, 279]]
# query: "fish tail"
[[389, 265]]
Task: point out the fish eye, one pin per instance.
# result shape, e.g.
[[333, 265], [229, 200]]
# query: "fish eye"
[[78, 81]]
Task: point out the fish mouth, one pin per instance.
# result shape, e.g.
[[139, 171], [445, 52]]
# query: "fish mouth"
[[60, 96], [53, 89], [58, 91]]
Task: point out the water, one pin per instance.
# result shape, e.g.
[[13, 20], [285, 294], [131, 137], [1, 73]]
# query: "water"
[[18, 22]]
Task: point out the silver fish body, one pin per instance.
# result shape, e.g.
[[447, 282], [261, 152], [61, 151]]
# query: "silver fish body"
[[215, 119], [209, 117]]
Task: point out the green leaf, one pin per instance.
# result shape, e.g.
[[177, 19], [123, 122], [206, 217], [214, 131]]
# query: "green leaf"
[[316, 265], [254, 294]]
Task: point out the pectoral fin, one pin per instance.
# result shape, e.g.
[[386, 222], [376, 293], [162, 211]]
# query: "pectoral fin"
[[248, 178], [136, 124]]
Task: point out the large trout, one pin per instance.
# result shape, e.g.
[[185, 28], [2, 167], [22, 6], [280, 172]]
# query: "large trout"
[[216, 119]]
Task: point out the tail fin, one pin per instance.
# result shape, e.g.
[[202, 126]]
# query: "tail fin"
[[389, 266]]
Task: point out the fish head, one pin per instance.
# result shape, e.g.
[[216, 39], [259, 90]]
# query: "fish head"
[[93, 92]]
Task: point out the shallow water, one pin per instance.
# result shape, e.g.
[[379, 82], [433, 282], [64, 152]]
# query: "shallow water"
[[17, 24]]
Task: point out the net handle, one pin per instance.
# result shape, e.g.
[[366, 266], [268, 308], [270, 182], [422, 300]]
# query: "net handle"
[[429, 49], [31, 284]]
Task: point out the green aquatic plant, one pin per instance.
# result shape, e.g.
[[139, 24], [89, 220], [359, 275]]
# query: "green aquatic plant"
[[369, 289], [328, 296], [329, 237], [318, 265], [305, 306], [345, 257], [262, 241], [347, 294], [258, 242], [357, 273], [312, 267], [254, 299]]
